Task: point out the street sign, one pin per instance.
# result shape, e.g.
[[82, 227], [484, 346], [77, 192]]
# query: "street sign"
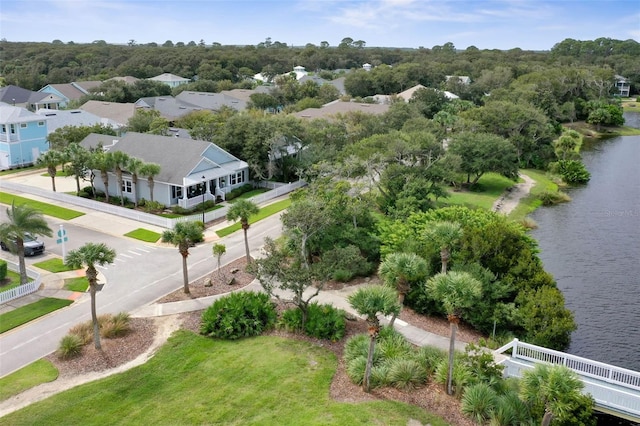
[[62, 235]]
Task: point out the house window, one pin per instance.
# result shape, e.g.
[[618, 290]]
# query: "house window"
[[233, 179], [126, 186], [176, 192], [3, 129], [40, 123], [12, 127], [23, 125], [222, 182]]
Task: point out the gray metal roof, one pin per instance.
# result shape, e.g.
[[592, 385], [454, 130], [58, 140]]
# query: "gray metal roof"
[[339, 107], [168, 106], [77, 117], [212, 101]]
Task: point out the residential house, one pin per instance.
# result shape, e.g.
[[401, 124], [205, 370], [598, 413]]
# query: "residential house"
[[330, 110], [60, 118], [464, 79], [170, 80], [169, 107], [191, 171], [407, 95], [211, 101], [70, 91], [23, 136], [33, 101], [623, 86], [118, 113], [127, 79]]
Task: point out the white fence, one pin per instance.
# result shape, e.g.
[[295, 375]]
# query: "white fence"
[[151, 219], [22, 290]]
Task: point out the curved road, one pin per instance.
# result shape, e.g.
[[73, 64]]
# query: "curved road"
[[140, 275]]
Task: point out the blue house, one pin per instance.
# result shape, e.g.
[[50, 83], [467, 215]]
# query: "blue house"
[[23, 136]]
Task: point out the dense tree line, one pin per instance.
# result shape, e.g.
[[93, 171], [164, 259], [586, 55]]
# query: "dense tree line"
[[33, 65]]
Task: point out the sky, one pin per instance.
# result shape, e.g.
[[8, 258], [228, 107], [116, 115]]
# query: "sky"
[[485, 24]]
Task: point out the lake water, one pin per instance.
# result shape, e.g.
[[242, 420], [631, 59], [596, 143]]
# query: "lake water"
[[591, 245]]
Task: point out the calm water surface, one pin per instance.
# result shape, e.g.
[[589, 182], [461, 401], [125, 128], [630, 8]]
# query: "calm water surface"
[[592, 247]]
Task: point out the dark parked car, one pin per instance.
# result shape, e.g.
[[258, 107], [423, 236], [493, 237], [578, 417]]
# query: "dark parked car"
[[32, 245]]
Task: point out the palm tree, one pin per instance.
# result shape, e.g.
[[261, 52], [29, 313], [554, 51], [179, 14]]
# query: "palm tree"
[[51, 160], [444, 235], [399, 271], [369, 302], [553, 391], [456, 291], [103, 161], [134, 166], [22, 219], [150, 170], [120, 161], [79, 160], [90, 255], [184, 235], [218, 251], [242, 209]]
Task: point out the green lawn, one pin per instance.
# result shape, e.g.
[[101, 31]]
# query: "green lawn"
[[489, 188], [197, 380], [264, 212], [76, 284], [30, 312], [45, 208], [54, 265], [12, 280], [41, 371], [249, 194], [144, 235]]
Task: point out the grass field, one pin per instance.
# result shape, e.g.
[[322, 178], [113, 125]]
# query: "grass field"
[[196, 380], [264, 212], [54, 265], [249, 194], [45, 208], [144, 235], [76, 284], [489, 188], [24, 314], [12, 280], [41, 371]]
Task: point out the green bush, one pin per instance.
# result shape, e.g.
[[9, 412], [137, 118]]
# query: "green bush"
[[3, 269], [236, 192], [482, 365], [406, 374], [461, 375], [549, 198], [393, 345], [357, 346], [356, 369], [238, 315], [346, 263], [323, 321], [379, 375], [478, 401], [152, 206], [572, 171], [429, 357], [70, 346], [510, 410]]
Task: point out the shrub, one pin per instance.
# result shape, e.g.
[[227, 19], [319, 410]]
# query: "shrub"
[[347, 262], [482, 365], [3, 269], [356, 369], [379, 375], [429, 357], [461, 375], [406, 374], [152, 206], [509, 410], [572, 171], [236, 192], [478, 402], [357, 346], [323, 322], [84, 331], [70, 346], [549, 198], [394, 345], [238, 315], [115, 326]]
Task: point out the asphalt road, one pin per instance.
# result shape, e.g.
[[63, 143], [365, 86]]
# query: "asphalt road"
[[141, 274]]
